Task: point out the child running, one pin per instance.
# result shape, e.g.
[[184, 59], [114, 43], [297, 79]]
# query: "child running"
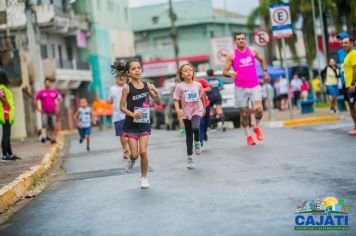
[[83, 117], [191, 96], [118, 117], [135, 104]]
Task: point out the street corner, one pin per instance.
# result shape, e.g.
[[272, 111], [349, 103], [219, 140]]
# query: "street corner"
[[13, 192]]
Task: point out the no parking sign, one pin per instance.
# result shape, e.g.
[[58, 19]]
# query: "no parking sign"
[[261, 38], [281, 20]]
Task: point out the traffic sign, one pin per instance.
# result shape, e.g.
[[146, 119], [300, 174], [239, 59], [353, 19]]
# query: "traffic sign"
[[281, 20], [261, 38]]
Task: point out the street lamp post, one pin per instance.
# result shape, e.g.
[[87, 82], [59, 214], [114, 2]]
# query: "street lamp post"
[[35, 55], [316, 37], [322, 30], [174, 33]]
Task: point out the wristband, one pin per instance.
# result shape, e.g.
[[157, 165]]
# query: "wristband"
[[265, 70], [353, 84]]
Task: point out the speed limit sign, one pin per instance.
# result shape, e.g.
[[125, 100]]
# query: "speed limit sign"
[[261, 38]]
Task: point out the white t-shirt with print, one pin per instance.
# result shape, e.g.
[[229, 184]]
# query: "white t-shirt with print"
[[296, 84], [115, 93]]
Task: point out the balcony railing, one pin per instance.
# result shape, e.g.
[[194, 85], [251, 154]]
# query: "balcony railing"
[[75, 65]]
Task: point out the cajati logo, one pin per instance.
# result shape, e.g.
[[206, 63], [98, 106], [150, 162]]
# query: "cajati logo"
[[327, 214]]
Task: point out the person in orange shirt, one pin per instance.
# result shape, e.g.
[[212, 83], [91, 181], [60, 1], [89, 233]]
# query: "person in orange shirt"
[[98, 108]]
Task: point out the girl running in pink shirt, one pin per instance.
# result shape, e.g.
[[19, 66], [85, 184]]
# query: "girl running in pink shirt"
[[191, 96]]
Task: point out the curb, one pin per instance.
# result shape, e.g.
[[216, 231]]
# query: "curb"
[[13, 191], [307, 121]]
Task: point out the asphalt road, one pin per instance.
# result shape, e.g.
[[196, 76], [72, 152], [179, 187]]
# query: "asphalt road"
[[234, 189]]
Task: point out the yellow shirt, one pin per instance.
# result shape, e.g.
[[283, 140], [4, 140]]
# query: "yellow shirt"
[[316, 85], [349, 63], [331, 78]]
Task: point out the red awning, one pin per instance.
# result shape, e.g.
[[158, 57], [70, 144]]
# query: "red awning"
[[203, 57]]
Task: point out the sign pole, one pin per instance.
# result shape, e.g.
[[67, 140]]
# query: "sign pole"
[[287, 77], [269, 104]]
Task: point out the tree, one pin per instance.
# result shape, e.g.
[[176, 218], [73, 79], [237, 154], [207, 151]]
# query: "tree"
[[302, 10]]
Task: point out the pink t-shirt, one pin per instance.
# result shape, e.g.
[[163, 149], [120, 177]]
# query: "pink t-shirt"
[[244, 65], [48, 99], [189, 95]]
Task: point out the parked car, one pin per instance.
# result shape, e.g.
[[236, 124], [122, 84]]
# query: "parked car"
[[164, 114], [228, 98]]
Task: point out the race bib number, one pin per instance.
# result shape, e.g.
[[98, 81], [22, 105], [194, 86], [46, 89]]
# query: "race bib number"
[[191, 96], [85, 118], [146, 115]]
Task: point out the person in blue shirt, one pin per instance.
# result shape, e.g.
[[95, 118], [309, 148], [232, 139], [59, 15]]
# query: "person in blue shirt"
[[84, 117], [215, 99]]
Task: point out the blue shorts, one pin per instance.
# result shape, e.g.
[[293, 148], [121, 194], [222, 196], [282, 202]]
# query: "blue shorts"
[[84, 132], [118, 127], [332, 90]]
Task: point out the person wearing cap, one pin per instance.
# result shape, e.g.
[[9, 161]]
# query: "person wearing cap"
[[350, 78], [340, 57]]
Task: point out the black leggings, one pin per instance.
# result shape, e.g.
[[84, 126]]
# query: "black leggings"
[[5, 142], [191, 127]]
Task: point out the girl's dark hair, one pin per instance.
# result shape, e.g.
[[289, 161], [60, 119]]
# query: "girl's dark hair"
[[118, 67], [4, 78], [128, 63]]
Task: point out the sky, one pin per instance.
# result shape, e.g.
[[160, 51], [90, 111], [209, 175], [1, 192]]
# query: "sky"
[[244, 7]]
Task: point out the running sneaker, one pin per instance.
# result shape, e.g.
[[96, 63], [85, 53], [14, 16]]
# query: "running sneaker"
[[80, 140], [198, 150], [8, 158], [129, 164], [42, 139], [144, 183], [223, 128], [182, 131], [190, 163], [250, 140], [259, 134], [352, 132]]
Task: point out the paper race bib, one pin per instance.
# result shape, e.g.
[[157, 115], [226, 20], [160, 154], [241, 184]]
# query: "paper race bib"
[[146, 115], [191, 96]]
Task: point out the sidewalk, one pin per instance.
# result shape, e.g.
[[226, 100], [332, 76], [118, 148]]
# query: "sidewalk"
[[30, 150], [319, 115], [284, 115]]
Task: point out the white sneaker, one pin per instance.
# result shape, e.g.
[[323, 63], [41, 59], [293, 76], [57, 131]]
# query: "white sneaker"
[[190, 164], [198, 150], [144, 183], [129, 164]]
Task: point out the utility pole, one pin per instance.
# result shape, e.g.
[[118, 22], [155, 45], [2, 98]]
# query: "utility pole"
[[35, 55], [322, 30], [316, 37], [174, 33]]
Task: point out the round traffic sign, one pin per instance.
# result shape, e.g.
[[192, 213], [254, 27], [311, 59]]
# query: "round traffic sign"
[[261, 38], [222, 53], [280, 16]]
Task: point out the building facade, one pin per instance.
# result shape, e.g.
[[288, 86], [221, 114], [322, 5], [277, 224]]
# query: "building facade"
[[57, 33], [205, 35], [110, 37]]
